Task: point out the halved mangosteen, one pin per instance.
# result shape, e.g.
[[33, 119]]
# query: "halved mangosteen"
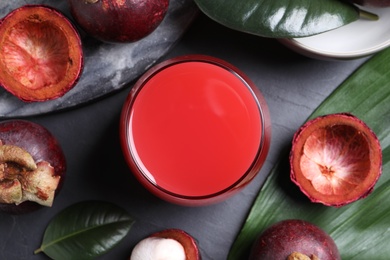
[[41, 55], [335, 159], [174, 244]]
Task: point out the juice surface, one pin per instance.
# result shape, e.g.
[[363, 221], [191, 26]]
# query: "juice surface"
[[195, 128]]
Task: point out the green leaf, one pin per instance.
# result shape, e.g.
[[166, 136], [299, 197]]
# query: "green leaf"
[[85, 230], [280, 18], [361, 229]]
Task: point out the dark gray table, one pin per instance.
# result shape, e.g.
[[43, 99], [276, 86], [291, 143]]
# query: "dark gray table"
[[292, 84]]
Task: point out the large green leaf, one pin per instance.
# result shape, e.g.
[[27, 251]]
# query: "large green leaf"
[[280, 18], [361, 229], [85, 230]]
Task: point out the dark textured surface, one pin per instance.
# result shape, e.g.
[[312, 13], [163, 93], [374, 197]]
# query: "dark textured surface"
[[293, 86], [108, 67]]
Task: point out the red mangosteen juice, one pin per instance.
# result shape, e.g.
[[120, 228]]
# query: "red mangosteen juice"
[[194, 130]]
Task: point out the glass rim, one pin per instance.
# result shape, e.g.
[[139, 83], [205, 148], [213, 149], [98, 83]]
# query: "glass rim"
[[142, 81]]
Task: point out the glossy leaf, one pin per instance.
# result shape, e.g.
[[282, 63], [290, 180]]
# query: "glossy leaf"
[[85, 230], [361, 229], [280, 18]]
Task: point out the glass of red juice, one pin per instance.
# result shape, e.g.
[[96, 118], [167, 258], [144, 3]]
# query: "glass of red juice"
[[195, 130]]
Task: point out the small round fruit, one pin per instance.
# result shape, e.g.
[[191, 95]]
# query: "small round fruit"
[[335, 159], [32, 166], [41, 55], [294, 239], [118, 21], [167, 244]]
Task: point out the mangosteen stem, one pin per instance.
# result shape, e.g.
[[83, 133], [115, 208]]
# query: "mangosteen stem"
[[15, 154], [21, 179]]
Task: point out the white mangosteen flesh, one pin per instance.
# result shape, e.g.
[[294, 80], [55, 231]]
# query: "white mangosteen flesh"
[[157, 248]]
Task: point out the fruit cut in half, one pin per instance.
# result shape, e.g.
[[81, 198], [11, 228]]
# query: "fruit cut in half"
[[167, 244], [186, 240], [41, 55], [335, 159]]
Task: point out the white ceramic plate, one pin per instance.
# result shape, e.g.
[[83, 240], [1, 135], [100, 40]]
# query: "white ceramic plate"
[[355, 40]]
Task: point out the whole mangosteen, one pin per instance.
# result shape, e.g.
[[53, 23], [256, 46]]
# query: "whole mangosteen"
[[294, 239], [32, 166], [118, 21]]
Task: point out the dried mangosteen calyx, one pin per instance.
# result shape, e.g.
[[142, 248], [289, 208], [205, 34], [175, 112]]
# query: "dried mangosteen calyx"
[[21, 179], [10, 191], [300, 256], [40, 185], [17, 155]]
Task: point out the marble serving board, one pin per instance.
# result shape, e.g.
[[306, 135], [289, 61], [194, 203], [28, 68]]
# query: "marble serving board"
[[108, 67]]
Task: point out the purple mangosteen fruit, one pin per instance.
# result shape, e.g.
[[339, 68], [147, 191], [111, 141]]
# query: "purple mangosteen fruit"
[[294, 240], [118, 21], [32, 167]]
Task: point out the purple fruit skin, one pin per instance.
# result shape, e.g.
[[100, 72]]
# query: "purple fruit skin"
[[283, 238], [42, 145], [109, 21]]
